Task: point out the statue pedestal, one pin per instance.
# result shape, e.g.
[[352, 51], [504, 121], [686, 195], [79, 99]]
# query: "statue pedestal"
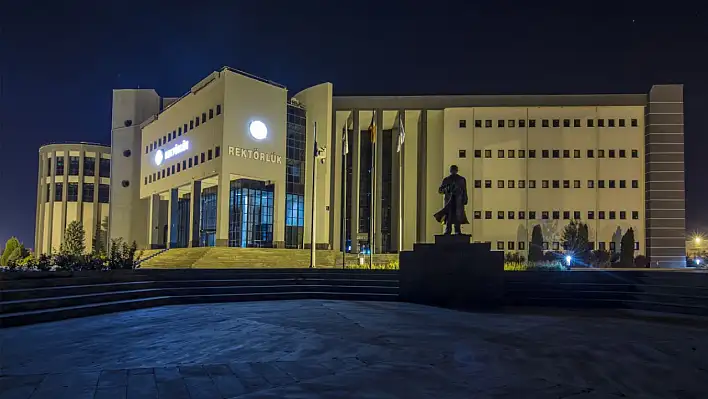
[[452, 272]]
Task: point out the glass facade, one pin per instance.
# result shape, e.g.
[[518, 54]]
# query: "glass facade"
[[251, 214], [87, 195], [207, 221], [73, 166], [365, 191], [89, 166], [295, 177], [72, 192], [182, 224], [60, 166], [104, 167], [387, 141], [104, 192]]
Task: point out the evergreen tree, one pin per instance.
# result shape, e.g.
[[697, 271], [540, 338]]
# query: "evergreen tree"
[[627, 249], [536, 247], [74, 239], [100, 237], [575, 241], [10, 246]]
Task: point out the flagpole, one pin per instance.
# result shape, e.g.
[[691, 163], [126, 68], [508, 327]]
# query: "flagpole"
[[373, 191], [400, 187], [345, 150], [314, 200]]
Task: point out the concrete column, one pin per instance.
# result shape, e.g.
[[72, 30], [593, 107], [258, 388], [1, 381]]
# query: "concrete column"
[[336, 152], [410, 155], [222, 210], [354, 194], [395, 184], [50, 217], [41, 192], [154, 222], [173, 218], [434, 172], [279, 215], [195, 200], [97, 215], [378, 189], [65, 190], [80, 201]]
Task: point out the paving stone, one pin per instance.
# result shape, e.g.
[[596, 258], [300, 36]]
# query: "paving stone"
[[113, 378], [167, 374], [173, 389], [202, 388], [116, 392], [142, 386], [17, 392]]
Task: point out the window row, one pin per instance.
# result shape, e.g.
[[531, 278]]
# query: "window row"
[[555, 215], [557, 184], [184, 165], [104, 166], [193, 123], [72, 192], [551, 153], [556, 246], [589, 122]]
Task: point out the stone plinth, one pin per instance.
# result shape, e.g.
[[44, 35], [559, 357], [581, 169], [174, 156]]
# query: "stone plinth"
[[452, 273]]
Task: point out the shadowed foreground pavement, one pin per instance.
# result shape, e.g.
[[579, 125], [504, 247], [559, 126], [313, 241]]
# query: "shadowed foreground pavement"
[[333, 349]]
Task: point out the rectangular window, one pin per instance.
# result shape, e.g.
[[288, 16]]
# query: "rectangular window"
[[635, 215], [60, 166], [556, 215], [58, 191], [545, 245], [545, 123], [612, 214], [636, 245], [544, 183], [511, 122], [623, 183], [622, 123], [147, 149], [87, 195], [500, 215], [104, 167], [191, 125], [511, 154], [556, 123], [591, 215], [477, 123], [203, 157], [566, 122], [510, 215], [189, 164], [500, 245], [556, 183], [73, 166], [522, 122], [487, 184], [510, 245], [487, 153], [463, 123], [601, 246], [184, 165], [210, 155], [104, 193], [591, 123], [500, 184], [179, 131], [164, 139], [545, 153], [591, 154], [612, 245], [196, 160], [500, 153], [576, 183], [487, 214], [566, 153], [522, 215], [576, 215], [179, 166], [89, 166], [478, 153], [576, 122], [635, 154], [184, 128], [600, 123], [169, 171], [635, 123], [218, 109], [49, 193], [532, 215], [522, 153], [522, 183], [635, 183], [566, 215], [478, 214], [217, 152], [611, 183], [488, 123], [566, 183], [196, 124], [600, 153], [556, 245], [477, 184], [211, 113], [203, 117], [610, 123], [532, 153], [623, 153], [500, 123], [532, 183], [532, 122], [623, 215], [72, 192], [544, 215], [611, 153], [49, 167], [576, 153], [510, 184], [522, 246], [600, 184], [601, 214], [556, 153], [591, 183]]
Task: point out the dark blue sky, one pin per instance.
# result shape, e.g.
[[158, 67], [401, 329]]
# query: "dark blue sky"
[[59, 62]]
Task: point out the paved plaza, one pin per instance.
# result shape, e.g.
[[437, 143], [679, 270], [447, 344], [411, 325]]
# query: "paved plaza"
[[337, 349]]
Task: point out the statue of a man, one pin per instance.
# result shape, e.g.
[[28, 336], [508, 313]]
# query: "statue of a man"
[[454, 187]]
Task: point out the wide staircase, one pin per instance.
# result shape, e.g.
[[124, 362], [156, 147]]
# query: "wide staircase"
[[682, 292], [27, 301]]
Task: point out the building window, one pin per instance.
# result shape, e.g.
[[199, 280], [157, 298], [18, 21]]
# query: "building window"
[[544, 123], [72, 192], [510, 215], [566, 183], [532, 122], [500, 153], [478, 153], [522, 246], [532, 153], [544, 215], [163, 173], [477, 184], [169, 171], [500, 245], [591, 183], [636, 245], [164, 139], [556, 215], [544, 183], [591, 123], [179, 131], [73, 166], [635, 215], [601, 246], [612, 153], [591, 154], [510, 245], [635, 123], [532, 183], [623, 215], [463, 123], [58, 191], [104, 167], [610, 123], [511, 154], [556, 183], [600, 123], [576, 122], [478, 214], [545, 153], [487, 214], [556, 153], [532, 215], [522, 122], [191, 125], [522, 215], [210, 155], [203, 117], [87, 195], [591, 215], [600, 184], [500, 214], [60, 166], [510, 184], [477, 123], [600, 153], [184, 165], [576, 183], [566, 122], [218, 109], [89, 166], [500, 184], [196, 122], [611, 183], [190, 162], [487, 184], [203, 158], [556, 123], [622, 123], [522, 153], [49, 193], [103, 193], [601, 214], [635, 154], [576, 215], [612, 215], [612, 246], [576, 153], [511, 123], [488, 123], [566, 153], [556, 245], [184, 128], [623, 153], [522, 183], [211, 113], [635, 183], [545, 245], [179, 166], [623, 183], [487, 153], [217, 152], [500, 123]]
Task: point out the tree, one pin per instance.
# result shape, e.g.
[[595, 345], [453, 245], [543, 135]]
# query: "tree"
[[536, 247], [601, 258], [74, 239], [575, 241], [99, 238], [11, 246], [627, 249]]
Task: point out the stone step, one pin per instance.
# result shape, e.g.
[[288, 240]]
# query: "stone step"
[[687, 298], [572, 302], [624, 287], [46, 315]]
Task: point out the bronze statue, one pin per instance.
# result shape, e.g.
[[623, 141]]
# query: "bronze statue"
[[453, 213]]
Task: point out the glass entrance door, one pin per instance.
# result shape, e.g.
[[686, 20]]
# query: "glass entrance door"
[[251, 214]]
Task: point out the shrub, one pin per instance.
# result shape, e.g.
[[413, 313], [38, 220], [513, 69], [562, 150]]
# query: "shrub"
[[641, 261], [74, 239], [540, 266], [121, 256]]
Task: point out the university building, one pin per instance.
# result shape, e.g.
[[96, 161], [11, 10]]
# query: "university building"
[[230, 163]]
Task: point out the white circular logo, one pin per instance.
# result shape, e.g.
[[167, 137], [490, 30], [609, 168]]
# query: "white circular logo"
[[159, 157], [258, 130]]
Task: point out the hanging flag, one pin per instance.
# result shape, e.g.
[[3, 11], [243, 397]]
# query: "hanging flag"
[[372, 128], [401, 133], [345, 140]]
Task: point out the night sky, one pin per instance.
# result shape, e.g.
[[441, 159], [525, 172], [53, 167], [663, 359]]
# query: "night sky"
[[59, 62]]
